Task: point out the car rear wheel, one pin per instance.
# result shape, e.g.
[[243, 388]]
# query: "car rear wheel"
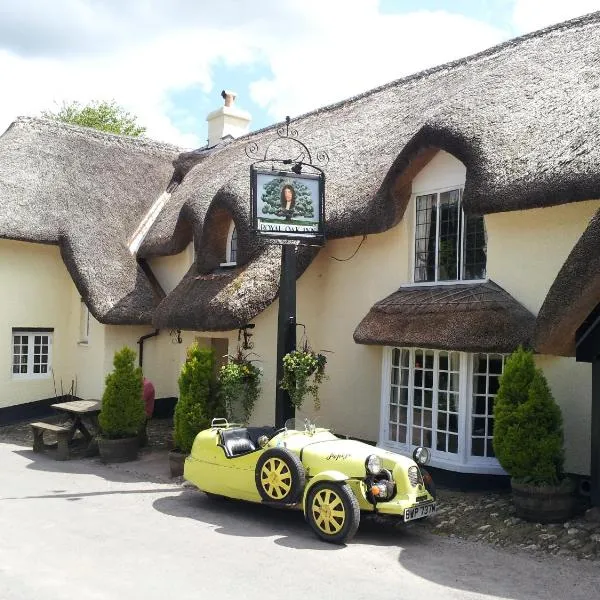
[[332, 511], [280, 476]]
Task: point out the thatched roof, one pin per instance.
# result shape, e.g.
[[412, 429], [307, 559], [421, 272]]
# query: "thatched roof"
[[507, 113], [85, 191], [226, 298], [473, 317], [574, 294]]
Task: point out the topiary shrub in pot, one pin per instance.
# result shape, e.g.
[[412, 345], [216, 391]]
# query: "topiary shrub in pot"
[[528, 442], [198, 403], [122, 414]]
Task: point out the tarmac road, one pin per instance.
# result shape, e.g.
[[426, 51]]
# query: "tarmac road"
[[82, 530]]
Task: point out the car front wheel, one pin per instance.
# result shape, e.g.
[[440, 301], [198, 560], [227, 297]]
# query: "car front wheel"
[[332, 511]]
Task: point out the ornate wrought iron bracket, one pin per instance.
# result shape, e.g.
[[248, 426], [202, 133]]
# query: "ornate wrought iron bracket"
[[304, 157]]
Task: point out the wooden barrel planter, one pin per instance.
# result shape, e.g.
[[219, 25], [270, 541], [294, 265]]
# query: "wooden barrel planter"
[[544, 504], [176, 462], [121, 450]]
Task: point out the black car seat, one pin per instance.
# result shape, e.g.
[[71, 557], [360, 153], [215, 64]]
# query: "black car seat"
[[236, 441]]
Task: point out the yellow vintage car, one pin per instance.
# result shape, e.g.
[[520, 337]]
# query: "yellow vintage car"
[[305, 466]]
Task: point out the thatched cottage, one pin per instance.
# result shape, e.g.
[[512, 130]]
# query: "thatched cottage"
[[465, 199]]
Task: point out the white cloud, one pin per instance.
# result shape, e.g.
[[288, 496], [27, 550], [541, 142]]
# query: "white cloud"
[[529, 15], [352, 51]]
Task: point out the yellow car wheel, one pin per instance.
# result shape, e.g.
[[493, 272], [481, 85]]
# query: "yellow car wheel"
[[332, 511], [279, 476]]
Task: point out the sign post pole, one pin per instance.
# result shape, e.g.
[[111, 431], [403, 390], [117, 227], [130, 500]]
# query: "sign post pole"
[[286, 330], [287, 207]]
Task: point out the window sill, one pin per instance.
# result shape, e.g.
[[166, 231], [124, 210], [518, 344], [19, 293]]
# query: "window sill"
[[227, 265], [30, 377], [480, 467], [438, 283], [84, 344]]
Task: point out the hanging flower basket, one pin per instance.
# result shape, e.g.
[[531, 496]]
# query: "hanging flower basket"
[[239, 382], [303, 373]]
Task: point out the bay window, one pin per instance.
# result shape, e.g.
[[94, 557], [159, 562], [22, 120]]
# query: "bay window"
[[443, 400]]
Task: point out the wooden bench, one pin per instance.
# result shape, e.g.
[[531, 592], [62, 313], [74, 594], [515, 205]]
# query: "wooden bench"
[[63, 436]]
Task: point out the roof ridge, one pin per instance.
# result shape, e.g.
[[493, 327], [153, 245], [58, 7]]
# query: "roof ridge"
[[142, 143], [571, 24]]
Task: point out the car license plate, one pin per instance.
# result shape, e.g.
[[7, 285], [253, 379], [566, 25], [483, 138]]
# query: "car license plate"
[[418, 512]]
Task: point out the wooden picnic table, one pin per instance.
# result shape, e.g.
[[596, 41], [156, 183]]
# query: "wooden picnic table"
[[78, 411]]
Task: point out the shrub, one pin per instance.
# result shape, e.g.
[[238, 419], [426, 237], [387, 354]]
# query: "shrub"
[[122, 413], [197, 403], [528, 436]]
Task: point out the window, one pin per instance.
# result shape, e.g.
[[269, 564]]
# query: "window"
[[449, 245], [32, 352], [442, 400], [231, 247], [84, 323]]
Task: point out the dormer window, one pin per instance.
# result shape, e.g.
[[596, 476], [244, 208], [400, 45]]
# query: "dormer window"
[[231, 247], [449, 245]]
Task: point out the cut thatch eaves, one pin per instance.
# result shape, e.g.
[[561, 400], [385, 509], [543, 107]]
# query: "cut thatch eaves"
[[226, 298], [507, 113], [574, 294], [472, 317], [85, 191]]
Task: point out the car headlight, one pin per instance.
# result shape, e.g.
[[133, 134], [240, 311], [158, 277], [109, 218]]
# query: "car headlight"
[[421, 455], [373, 464]]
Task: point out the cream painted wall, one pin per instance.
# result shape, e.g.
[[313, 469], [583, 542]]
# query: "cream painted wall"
[[169, 270], [37, 291], [527, 248]]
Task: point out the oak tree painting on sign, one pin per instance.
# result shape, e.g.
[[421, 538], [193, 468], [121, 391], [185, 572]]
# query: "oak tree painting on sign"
[[287, 204]]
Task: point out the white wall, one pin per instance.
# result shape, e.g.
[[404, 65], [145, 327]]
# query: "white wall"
[[169, 270], [37, 291]]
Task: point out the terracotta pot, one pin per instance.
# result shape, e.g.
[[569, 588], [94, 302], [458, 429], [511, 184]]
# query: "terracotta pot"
[[176, 462], [544, 504], [115, 451]]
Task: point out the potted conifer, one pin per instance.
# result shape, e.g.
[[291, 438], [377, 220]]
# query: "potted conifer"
[[528, 442], [197, 403], [122, 414]]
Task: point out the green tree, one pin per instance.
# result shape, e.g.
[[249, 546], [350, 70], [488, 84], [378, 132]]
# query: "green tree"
[[528, 435], [271, 198], [198, 402], [122, 413], [98, 114]]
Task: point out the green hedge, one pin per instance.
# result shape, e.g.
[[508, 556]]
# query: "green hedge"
[[122, 413], [528, 434]]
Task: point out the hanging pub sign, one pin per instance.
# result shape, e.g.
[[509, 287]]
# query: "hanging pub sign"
[[288, 206]]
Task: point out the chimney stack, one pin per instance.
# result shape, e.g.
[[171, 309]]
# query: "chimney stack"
[[227, 120]]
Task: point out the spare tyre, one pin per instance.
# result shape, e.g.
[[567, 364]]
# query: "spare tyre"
[[280, 476]]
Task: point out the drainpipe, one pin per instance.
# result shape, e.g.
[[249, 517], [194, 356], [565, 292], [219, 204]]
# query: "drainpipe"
[[141, 344]]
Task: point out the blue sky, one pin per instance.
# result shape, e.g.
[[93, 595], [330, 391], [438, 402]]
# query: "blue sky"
[[167, 61]]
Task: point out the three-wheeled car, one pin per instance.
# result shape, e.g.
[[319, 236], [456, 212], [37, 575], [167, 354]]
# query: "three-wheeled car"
[[305, 466]]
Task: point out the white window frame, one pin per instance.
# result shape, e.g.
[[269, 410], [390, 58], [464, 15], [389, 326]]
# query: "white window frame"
[[462, 461], [84, 323], [31, 333], [228, 262], [438, 192]]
